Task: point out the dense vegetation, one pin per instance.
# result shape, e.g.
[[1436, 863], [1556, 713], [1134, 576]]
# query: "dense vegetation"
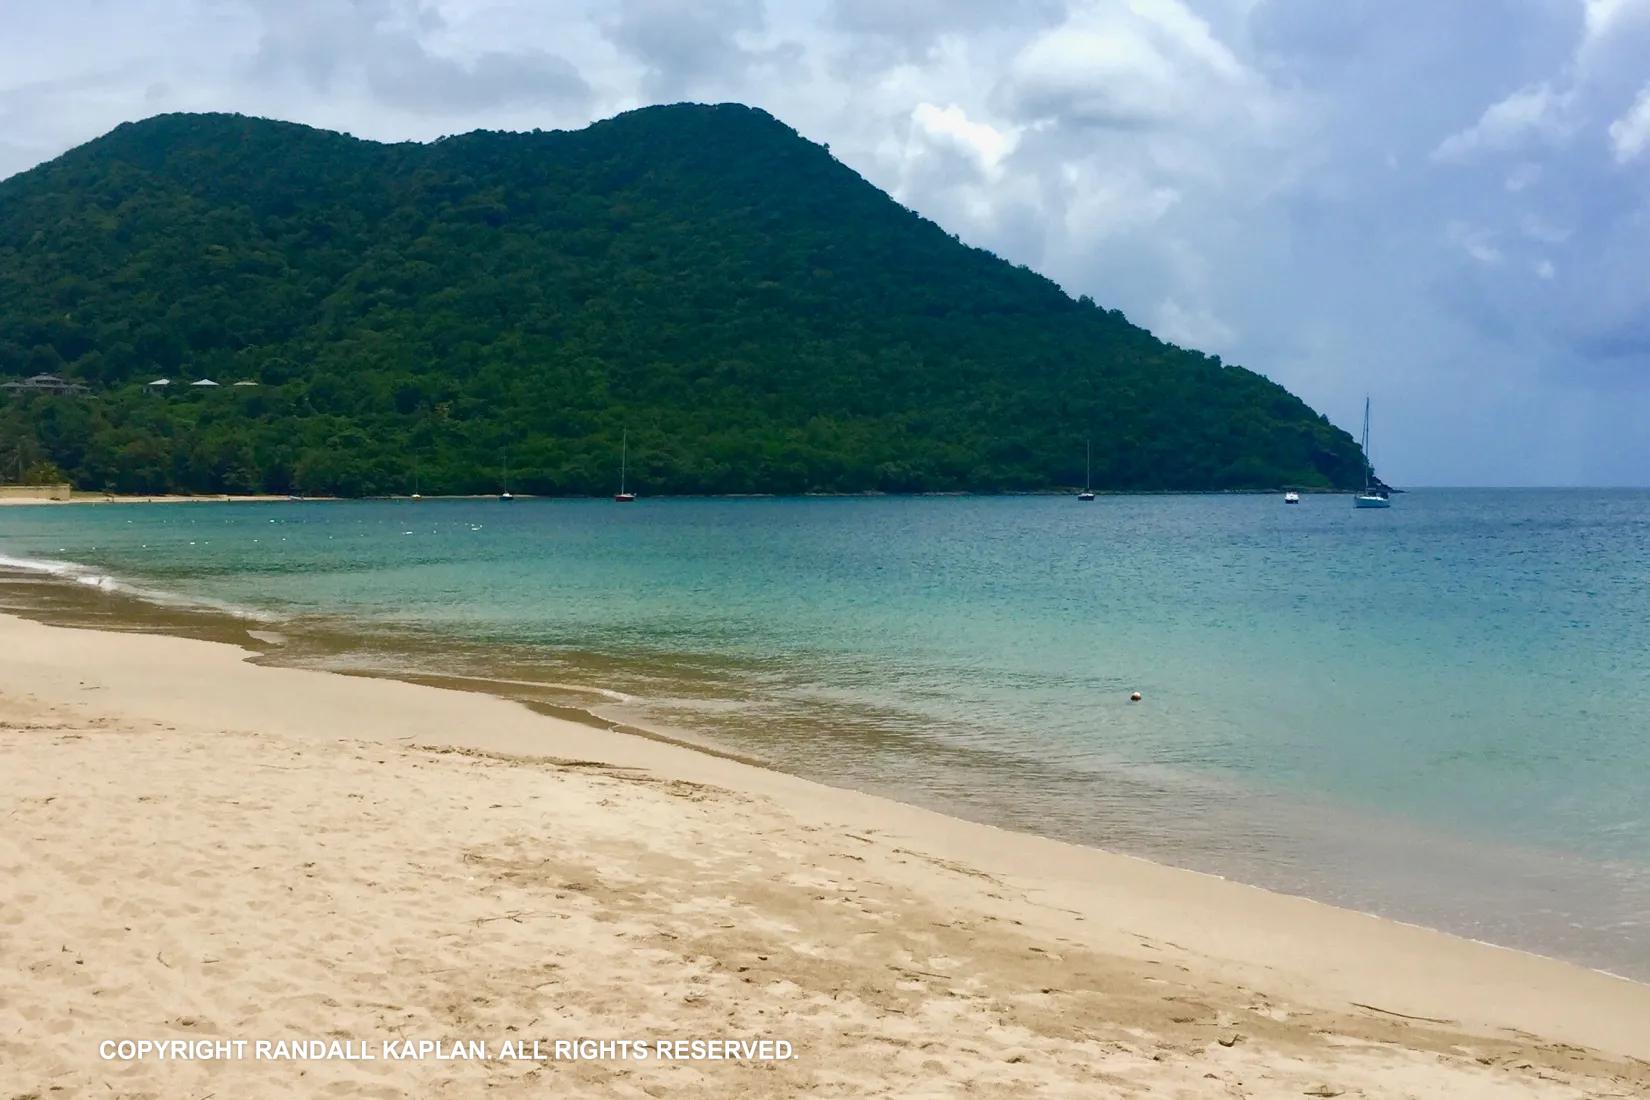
[[757, 316]]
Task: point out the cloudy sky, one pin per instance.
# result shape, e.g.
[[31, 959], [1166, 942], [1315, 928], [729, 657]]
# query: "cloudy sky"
[[1443, 203]]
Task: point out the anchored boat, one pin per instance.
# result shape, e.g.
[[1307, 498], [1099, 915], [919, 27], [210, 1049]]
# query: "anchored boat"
[[1374, 494]]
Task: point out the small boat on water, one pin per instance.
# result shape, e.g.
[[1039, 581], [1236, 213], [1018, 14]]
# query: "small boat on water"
[[624, 455], [1374, 494], [504, 483], [1291, 497], [1088, 449]]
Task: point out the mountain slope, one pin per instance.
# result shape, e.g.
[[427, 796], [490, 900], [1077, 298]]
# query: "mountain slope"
[[758, 316]]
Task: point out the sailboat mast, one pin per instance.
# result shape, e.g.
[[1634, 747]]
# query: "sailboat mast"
[[1365, 445], [1088, 448], [624, 458]]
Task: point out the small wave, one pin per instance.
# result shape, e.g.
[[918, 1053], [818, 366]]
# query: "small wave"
[[553, 685], [269, 637], [49, 567], [352, 663], [91, 577]]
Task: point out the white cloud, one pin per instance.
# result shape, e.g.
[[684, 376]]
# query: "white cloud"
[[1544, 268], [951, 125], [1613, 37], [1129, 65], [1528, 116], [1473, 241], [1600, 17], [1191, 35], [1630, 134], [1110, 79]]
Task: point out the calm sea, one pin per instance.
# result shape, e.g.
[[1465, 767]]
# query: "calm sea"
[[1439, 712]]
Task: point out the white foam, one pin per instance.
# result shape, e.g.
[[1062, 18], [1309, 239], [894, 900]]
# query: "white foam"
[[91, 577], [272, 637], [68, 569]]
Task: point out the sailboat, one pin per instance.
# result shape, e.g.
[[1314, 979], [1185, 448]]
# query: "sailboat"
[[1088, 452], [624, 455], [1373, 495], [506, 495], [416, 495]]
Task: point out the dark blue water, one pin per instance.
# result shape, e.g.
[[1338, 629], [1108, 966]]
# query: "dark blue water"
[[1440, 711]]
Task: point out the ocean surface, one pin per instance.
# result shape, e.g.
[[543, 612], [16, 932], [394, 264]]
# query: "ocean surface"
[[1439, 712]]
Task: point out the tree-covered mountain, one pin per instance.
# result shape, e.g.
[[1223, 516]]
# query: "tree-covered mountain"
[[759, 318]]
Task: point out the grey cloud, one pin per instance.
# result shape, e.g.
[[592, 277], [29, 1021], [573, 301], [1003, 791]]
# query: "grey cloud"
[[1573, 230], [684, 44], [911, 28], [18, 158], [1409, 73], [81, 107], [408, 75], [1123, 102], [1074, 78], [383, 42]]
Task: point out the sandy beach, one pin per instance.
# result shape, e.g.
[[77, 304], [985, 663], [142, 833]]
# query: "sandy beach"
[[196, 847], [79, 497]]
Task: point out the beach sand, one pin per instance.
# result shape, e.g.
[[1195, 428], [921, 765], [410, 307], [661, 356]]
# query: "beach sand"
[[198, 847], [79, 497]]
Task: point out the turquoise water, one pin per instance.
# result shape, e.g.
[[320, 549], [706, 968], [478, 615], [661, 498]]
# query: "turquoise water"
[[1439, 712]]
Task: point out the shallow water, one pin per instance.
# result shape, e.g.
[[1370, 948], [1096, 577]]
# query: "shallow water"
[[1439, 712]]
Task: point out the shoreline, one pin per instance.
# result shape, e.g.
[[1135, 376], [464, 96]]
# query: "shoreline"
[[92, 600], [1367, 982], [79, 496], [88, 497]]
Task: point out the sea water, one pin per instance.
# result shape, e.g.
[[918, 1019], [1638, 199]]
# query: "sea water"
[[1438, 712]]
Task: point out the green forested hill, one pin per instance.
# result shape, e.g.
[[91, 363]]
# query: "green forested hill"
[[757, 316]]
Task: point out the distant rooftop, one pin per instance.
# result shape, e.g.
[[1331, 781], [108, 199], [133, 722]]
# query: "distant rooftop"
[[43, 383]]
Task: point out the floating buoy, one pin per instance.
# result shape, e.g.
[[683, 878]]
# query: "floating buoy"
[[1134, 697]]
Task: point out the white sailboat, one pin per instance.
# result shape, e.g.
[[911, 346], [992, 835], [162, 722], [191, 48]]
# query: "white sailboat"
[[1373, 495], [1087, 493], [506, 495], [624, 456], [1291, 497]]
